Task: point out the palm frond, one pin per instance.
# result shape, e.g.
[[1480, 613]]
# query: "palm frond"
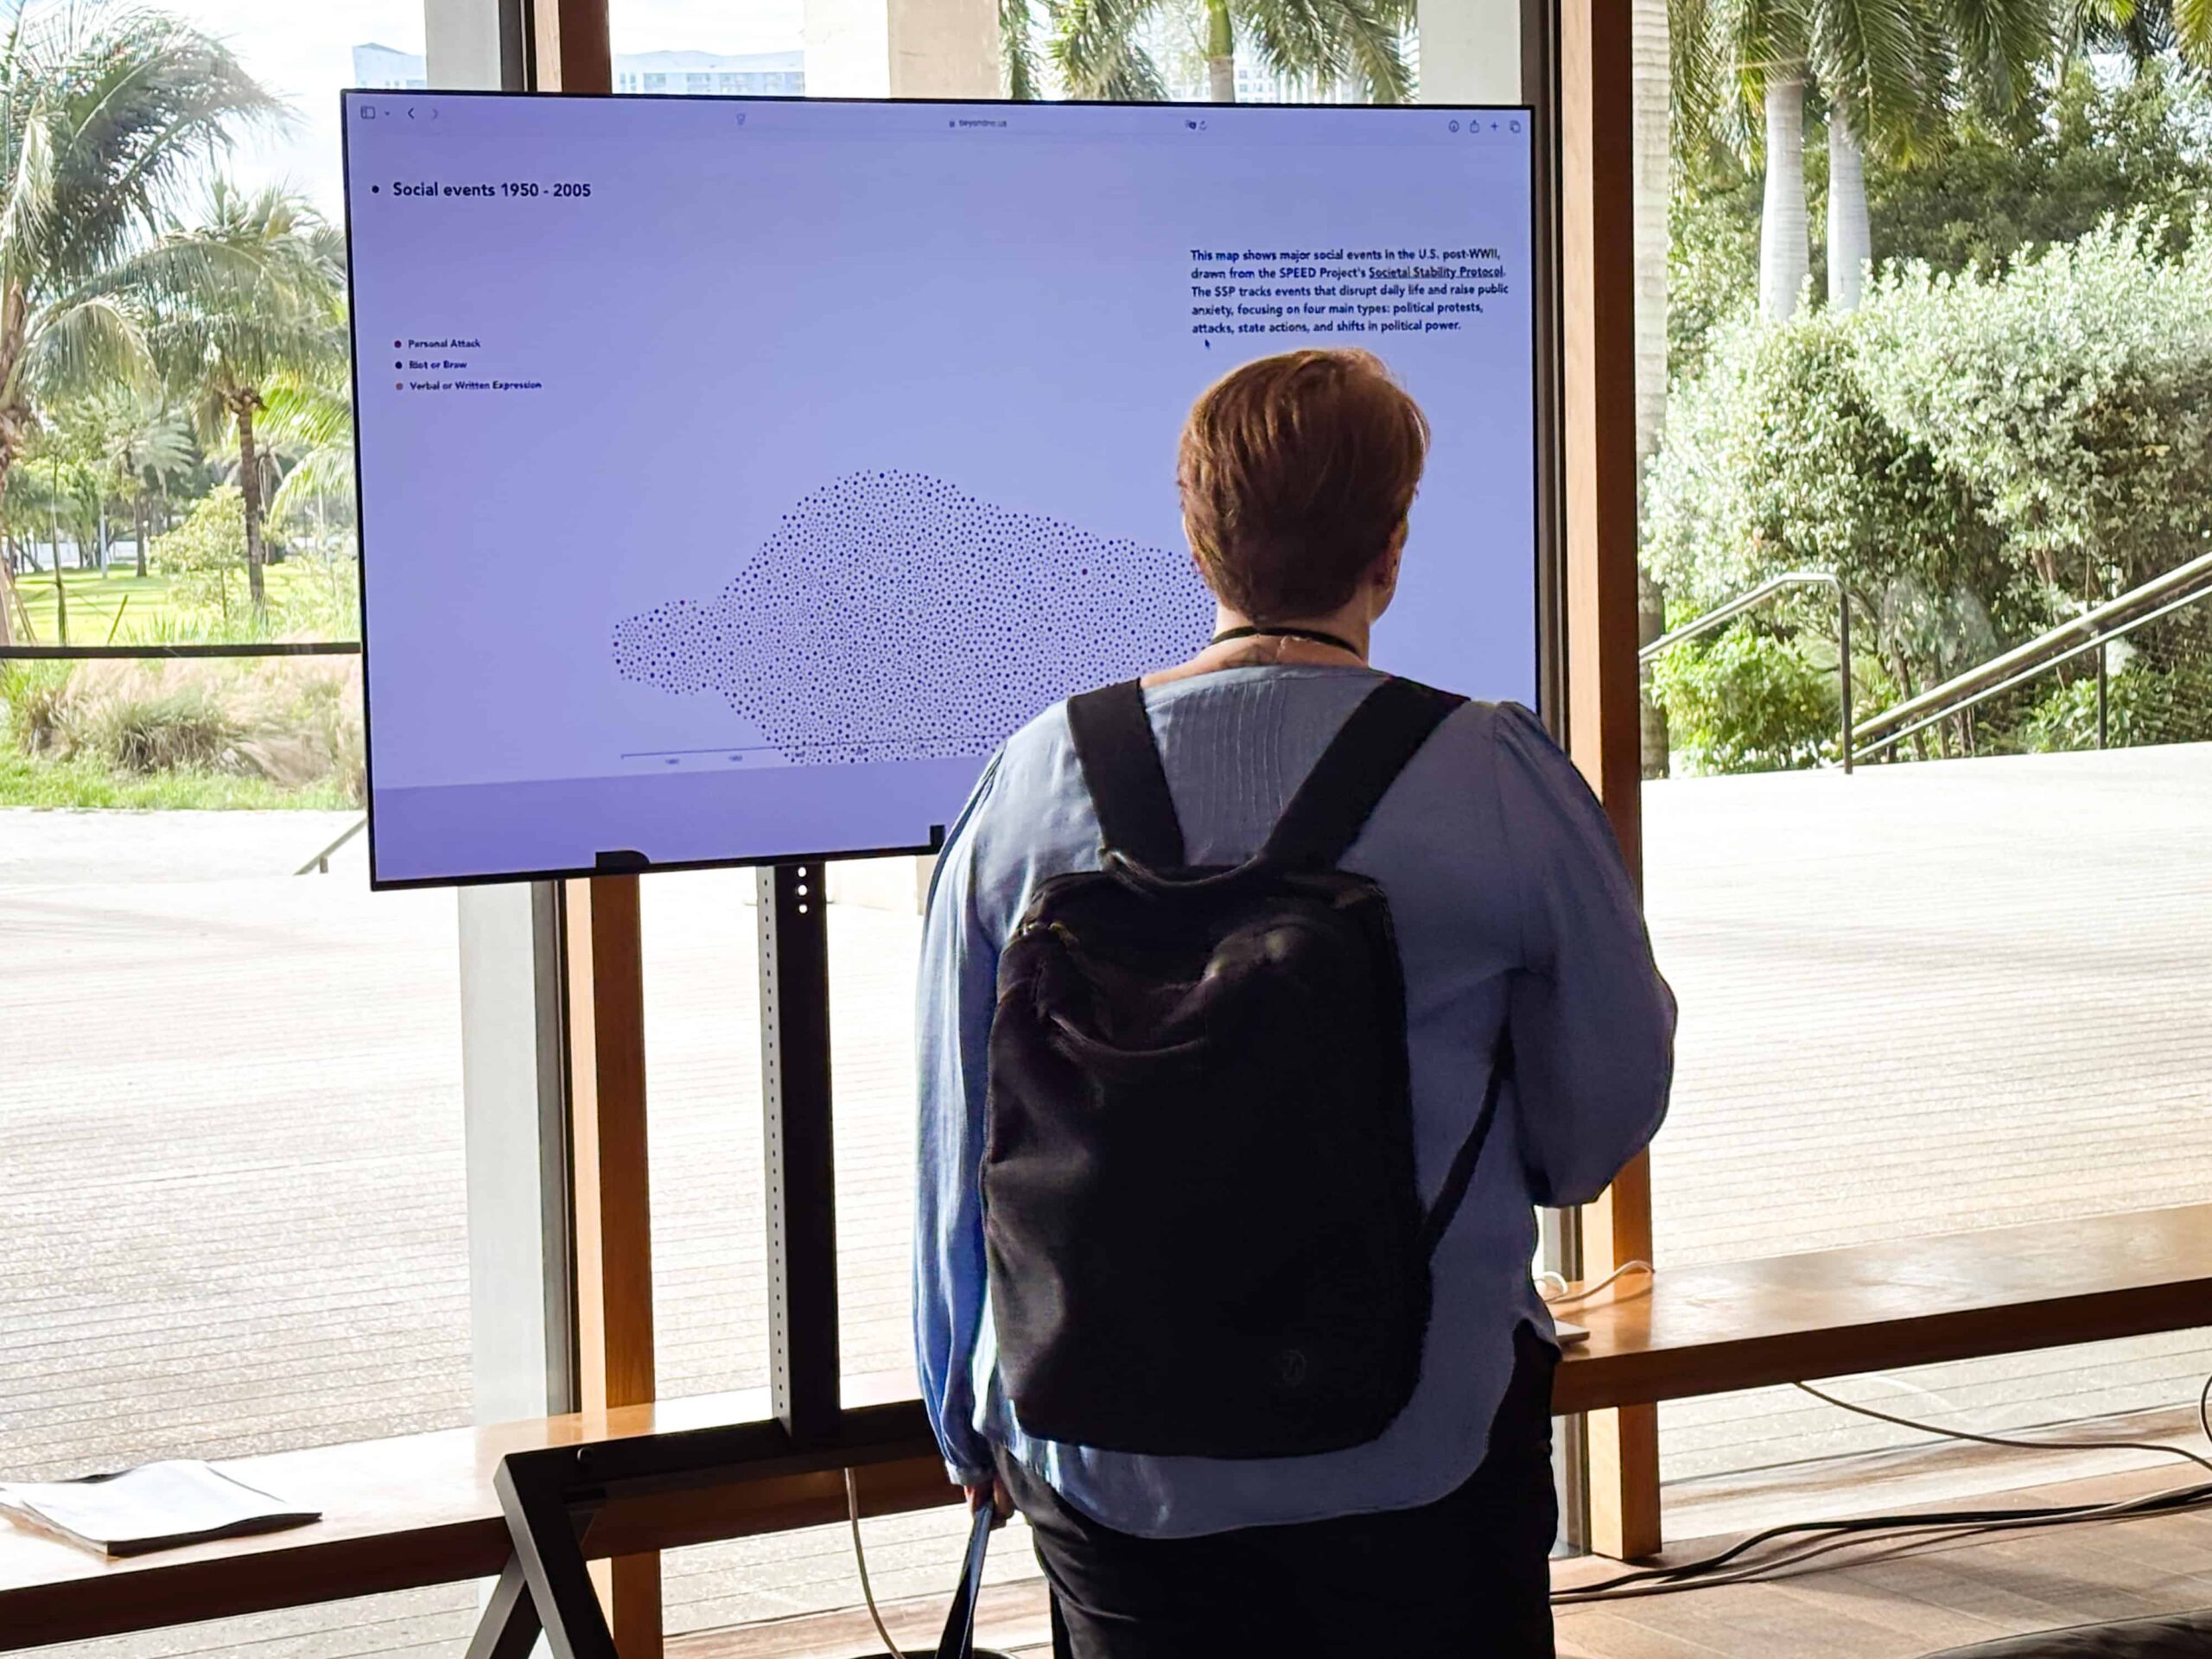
[[1375, 52], [304, 413], [28, 210], [1018, 49], [1697, 72], [327, 472], [1882, 61], [158, 446], [1293, 38], [95, 341], [2193, 30], [141, 97], [1759, 37], [1095, 46], [2002, 43]]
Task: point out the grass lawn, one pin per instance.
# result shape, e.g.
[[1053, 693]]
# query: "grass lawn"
[[150, 616], [25, 781]]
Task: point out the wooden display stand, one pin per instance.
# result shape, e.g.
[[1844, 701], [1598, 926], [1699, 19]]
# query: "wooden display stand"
[[550, 1494]]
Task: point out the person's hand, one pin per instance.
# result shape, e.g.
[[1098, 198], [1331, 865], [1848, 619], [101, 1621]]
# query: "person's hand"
[[996, 1496]]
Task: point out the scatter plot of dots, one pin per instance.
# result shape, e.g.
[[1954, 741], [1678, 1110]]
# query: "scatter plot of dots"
[[891, 616]]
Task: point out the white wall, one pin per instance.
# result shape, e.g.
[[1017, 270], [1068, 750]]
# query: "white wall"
[[902, 48], [1470, 51]]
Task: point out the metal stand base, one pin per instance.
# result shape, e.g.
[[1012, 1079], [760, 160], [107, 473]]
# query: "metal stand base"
[[566, 1504]]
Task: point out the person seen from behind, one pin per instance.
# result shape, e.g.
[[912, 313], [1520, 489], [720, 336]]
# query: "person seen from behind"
[[1260, 1004]]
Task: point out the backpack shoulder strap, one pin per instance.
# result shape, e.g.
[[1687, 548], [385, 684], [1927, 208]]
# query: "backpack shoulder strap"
[[1121, 767], [1355, 771], [1462, 1172]]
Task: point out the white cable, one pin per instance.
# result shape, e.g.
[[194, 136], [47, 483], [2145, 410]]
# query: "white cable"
[[860, 1560], [1561, 1298]]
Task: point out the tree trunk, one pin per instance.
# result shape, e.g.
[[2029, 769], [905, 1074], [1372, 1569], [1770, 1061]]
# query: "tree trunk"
[[250, 488], [1650, 623], [1784, 252], [9, 598], [142, 520], [1651, 171], [54, 554], [1851, 238], [1221, 53]]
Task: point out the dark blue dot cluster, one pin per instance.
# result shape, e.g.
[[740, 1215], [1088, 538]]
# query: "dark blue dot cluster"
[[893, 616]]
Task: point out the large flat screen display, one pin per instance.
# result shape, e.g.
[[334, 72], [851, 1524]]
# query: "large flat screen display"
[[735, 475]]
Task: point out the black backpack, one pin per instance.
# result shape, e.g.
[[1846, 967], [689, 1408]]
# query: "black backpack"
[[1199, 1206]]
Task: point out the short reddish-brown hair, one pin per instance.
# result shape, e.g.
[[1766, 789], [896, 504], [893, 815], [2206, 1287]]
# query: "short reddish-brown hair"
[[1296, 472]]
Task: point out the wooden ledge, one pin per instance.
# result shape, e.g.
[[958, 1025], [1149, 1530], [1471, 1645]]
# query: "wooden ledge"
[[419, 1509], [1913, 1301], [404, 1513]]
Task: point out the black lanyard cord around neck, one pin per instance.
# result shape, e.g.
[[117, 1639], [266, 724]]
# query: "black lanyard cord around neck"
[[1313, 634]]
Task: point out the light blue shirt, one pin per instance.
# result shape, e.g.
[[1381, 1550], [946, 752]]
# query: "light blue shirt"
[[1512, 908]]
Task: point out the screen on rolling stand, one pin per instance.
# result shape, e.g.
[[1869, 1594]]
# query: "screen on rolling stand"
[[737, 474]]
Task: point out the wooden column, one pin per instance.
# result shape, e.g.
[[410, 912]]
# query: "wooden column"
[[1597, 418], [571, 51], [613, 1199], [571, 44]]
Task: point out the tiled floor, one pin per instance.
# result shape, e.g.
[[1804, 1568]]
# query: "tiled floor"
[[1872, 1601], [1921, 998]]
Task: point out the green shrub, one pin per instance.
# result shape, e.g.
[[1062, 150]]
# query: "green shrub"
[[1776, 458], [36, 703], [2073, 394], [172, 731], [2144, 704], [204, 557], [1746, 700], [323, 601], [1975, 456], [2104, 146]]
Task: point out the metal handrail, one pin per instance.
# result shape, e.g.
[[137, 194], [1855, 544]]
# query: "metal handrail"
[[107, 653], [1753, 597], [1981, 693], [1962, 691], [320, 864]]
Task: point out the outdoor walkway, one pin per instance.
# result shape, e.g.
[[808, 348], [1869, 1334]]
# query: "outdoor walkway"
[[1921, 998]]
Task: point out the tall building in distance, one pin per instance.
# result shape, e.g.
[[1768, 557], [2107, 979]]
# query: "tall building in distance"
[[667, 74], [380, 69]]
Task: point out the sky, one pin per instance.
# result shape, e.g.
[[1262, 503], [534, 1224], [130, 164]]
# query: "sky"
[[303, 51]]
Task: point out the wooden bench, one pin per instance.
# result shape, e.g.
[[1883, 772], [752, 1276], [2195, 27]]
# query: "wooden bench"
[[420, 1509]]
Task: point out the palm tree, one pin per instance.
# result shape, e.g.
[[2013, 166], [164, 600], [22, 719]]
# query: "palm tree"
[[1101, 51], [253, 293], [2140, 29], [146, 444], [310, 418], [1889, 72], [103, 110]]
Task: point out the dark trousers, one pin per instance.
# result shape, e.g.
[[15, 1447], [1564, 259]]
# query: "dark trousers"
[[1466, 1577]]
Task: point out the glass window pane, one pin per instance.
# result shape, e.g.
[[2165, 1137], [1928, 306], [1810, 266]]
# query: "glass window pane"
[[703, 1090], [231, 1147], [1941, 993], [686, 46], [875, 935]]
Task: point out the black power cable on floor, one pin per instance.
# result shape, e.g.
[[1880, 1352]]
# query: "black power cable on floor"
[[1823, 1537]]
